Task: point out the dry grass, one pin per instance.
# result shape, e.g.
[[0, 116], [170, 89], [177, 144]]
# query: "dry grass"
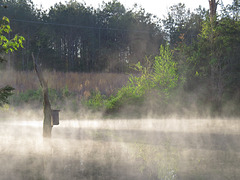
[[81, 83]]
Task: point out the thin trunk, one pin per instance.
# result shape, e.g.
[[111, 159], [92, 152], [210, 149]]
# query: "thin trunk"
[[47, 125], [216, 72]]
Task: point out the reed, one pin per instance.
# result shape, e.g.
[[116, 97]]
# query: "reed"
[[80, 83]]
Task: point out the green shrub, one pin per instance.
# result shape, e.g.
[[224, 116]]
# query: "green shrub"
[[27, 96], [65, 92], [95, 101], [164, 76], [56, 97], [158, 75]]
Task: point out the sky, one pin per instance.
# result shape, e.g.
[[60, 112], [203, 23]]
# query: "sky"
[[155, 7]]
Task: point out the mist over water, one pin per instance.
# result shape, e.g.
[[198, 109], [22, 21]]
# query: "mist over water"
[[121, 149]]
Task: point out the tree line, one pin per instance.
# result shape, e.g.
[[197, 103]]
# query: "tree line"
[[204, 45], [75, 37]]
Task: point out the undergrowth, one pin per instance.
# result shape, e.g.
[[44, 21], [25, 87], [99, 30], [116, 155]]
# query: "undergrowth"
[[157, 75]]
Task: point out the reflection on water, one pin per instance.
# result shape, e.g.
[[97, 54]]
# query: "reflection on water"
[[121, 149]]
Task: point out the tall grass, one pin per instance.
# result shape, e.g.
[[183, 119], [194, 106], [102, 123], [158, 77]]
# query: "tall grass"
[[80, 83]]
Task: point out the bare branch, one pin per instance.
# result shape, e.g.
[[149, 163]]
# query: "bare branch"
[[39, 74]]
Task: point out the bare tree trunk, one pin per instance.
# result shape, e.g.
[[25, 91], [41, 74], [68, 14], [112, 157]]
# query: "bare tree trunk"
[[216, 71], [213, 9], [47, 124]]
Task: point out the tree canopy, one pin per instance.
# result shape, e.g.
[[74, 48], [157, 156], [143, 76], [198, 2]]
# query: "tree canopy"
[[75, 37]]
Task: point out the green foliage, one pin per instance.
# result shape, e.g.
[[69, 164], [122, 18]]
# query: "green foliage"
[[110, 38], [5, 92], [66, 92], [160, 75], [7, 45], [181, 25], [29, 96], [95, 101], [81, 38], [211, 62], [164, 76], [57, 97]]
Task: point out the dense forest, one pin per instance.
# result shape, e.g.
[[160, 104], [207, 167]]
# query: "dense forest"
[[184, 59], [74, 37]]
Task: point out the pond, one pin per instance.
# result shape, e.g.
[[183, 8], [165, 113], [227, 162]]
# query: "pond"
[[121, 149]]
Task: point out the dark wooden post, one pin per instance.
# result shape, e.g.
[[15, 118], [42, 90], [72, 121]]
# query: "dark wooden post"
[[47, 111]]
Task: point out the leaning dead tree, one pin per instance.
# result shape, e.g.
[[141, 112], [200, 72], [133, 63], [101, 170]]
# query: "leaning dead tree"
[[47, 111]]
